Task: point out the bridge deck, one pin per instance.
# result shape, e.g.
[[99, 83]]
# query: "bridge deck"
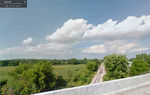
[[144, 90]]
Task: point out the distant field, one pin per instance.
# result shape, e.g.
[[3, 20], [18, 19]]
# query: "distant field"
[[59, 69], [64, 69], [4, 71]]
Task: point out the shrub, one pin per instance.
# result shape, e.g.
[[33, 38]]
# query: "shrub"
[[138, 67], [83, 77], [2, 83], [33, 78], [92, 66]]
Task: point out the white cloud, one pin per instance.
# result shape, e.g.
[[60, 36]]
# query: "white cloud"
[[139, 49], [12, 50], [28, 41], [131, 28], [117, 46], [101, 29], [70, 32], [50, 50], [113, 37], [120, 46], [97, 49]]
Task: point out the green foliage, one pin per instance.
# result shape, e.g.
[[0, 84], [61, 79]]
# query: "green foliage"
[[2, 83], [33, 78], [16, 62], [139, 66], [60, 82], [4, 72], [73, 61], [64, 70], [97, 61], [92, 66], [144, 57], [82, 77], [116, 67]]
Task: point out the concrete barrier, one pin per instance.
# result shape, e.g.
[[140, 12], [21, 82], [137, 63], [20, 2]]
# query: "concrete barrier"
[[104, 88]]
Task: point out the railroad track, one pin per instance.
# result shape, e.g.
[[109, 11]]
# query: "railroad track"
[[99, 75]]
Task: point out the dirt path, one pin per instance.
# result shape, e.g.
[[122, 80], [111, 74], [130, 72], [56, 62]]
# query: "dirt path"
[[99, 75]]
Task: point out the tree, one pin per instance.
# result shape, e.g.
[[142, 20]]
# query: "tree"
[[73, 61], [92, 66], [116, 67], [144, 57], [97, 61], [139, 66], [33, 78]]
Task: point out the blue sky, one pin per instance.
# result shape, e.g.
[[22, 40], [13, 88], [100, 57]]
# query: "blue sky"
[[32, 28]]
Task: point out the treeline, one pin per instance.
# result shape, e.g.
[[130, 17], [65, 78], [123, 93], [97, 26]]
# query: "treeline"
[[16, 62], [118, 66]]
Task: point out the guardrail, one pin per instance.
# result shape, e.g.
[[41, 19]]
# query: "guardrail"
[[104, 88]]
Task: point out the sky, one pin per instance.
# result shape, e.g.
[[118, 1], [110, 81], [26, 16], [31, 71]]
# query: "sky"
[[62, 29]]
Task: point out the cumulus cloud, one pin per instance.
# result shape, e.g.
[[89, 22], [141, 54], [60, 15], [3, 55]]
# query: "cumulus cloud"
[[123, 37], [139, 49], [28, 41], [120, 46], [71, 31], [97, 49], [130, 28], [49, 50], [117, 46], [11, 51], [101, 29]]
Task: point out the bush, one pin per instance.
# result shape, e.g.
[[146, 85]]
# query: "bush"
[[138, 67], [83, 77], [33, 78], [92, 66], [60, 82], [2, 83]]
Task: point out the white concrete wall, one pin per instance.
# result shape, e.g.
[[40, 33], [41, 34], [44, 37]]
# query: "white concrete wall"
[[103, 88]]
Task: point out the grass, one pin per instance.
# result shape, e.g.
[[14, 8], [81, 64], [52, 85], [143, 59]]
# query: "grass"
[[4, 71], [58, 69], [65, 69]]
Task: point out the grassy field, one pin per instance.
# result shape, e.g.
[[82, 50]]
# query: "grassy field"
[[4, 71], [58, 69], [64, 69]]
